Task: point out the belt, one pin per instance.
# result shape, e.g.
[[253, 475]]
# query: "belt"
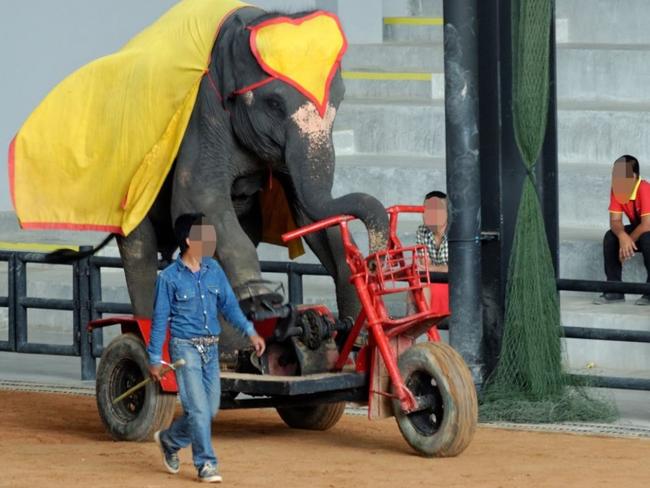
[[200, 340], [205, 340]]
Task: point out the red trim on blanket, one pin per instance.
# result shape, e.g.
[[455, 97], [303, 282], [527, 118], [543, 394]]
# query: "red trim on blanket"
[[252, 86], [214, 86], [322, 107], [70, 226]]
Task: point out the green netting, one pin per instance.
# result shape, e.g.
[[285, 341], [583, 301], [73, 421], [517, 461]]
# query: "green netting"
[[528, 384]]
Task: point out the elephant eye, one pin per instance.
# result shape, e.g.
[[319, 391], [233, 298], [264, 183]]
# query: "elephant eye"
[[275, 105]]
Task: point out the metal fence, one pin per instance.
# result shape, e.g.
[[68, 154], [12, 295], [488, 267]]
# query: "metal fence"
[[87, 304], [607, 334]]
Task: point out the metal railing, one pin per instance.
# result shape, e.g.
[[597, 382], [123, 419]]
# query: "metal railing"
[[18, 303], [87, 304], [607, 334]]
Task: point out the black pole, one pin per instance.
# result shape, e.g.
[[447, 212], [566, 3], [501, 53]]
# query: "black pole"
[[492, 217], [95, 297], [463, 180], [547, 166], [88, 365], [295, 287], [20, 311], [11, 310]]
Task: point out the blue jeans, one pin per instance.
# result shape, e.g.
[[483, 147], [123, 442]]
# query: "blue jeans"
[[199, 388]]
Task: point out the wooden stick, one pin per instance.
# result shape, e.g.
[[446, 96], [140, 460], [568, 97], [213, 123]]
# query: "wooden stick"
[[163, 372]]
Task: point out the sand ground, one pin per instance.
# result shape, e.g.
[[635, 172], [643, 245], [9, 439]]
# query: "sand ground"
[[51, 440]]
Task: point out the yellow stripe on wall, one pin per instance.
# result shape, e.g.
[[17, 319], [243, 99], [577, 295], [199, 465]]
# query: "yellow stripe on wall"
[[413, 20], [34, 246], [378, 75]]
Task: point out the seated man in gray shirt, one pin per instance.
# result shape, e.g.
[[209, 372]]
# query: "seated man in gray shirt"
[[433, 232]]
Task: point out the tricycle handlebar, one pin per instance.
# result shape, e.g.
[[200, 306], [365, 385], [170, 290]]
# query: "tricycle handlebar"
[[339, 219], [405, 209], [316, 226]]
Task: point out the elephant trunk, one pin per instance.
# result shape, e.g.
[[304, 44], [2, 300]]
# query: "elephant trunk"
[[310, 158]]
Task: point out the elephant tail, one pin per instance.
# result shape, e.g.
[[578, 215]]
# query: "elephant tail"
[[63, 256]]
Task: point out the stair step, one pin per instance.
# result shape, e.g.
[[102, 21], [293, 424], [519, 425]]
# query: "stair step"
[[413, 33], [392, 179], [423, 8], [594, 133], [581, 256], [606, 21], [397, 57], [595, 355], [586, 72], [431, 29], [598, 133], [584, 191], [414, 20], [608, 73], [378, 84], [398, 126]]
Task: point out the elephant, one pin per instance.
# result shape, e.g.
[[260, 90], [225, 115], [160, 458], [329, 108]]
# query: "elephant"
[[250, 137], [234, 143]]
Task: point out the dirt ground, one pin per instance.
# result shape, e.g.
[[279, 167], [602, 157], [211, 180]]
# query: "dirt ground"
[[51, 440]]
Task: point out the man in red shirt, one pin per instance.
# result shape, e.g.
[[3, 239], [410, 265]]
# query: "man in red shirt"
[[630, 195]]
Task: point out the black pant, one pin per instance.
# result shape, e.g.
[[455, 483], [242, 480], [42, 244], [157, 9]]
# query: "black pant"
[[613, 266]]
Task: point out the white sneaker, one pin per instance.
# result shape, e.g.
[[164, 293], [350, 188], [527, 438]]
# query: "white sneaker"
[[209, 474]]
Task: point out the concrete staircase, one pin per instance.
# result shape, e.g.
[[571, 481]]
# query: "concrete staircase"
[[394, 105]]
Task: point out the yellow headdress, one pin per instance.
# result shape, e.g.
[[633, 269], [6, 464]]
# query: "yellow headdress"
[[303, 52]]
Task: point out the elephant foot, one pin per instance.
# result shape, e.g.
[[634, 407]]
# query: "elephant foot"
[[258, 295]]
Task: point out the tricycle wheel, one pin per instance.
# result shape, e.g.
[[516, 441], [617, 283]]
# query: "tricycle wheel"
[[316, 417], [438, 377], [136, 418]]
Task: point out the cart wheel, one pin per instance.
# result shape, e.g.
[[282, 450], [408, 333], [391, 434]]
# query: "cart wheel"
[[437, 374], [317, 417], [136, 418]]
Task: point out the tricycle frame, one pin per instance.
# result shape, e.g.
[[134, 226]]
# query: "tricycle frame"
[[367, 276]]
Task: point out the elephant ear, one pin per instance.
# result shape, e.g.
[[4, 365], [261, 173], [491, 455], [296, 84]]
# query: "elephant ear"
[[304, 52], [236, 66]]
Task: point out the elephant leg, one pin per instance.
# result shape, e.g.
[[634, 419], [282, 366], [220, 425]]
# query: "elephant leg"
[[140, 259], [328, 247], [237, 254], [251, 222], [232, 340]]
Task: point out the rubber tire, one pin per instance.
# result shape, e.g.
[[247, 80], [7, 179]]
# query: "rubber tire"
[[317, 417], [157, 408], [458, 394]]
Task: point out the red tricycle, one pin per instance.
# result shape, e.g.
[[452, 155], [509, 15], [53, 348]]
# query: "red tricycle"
[[315, 363]]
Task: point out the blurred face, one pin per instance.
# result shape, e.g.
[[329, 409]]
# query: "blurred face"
[[435, 213], [623, 181], [202, 241]]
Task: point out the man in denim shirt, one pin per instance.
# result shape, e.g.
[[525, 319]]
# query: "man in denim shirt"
[[190, 293]]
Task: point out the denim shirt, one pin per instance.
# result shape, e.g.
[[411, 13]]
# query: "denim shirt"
[[191, 305]]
